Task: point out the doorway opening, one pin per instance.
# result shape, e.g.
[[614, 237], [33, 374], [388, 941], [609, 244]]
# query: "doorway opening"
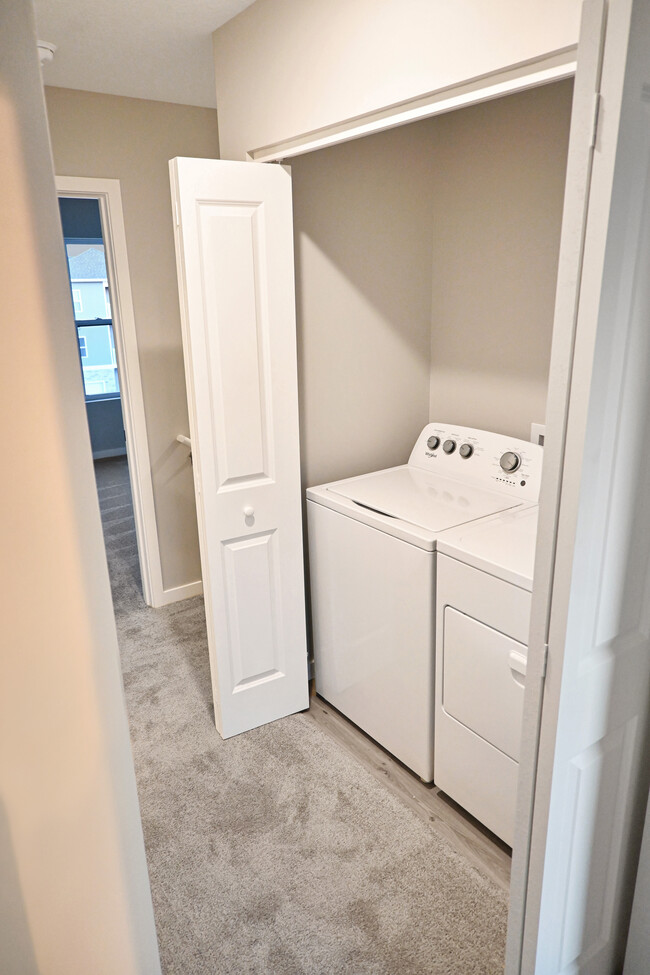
[[85, 253], [83, 239], [95, 244]]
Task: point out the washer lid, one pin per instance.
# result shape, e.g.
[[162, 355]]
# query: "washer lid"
[[420, 498]]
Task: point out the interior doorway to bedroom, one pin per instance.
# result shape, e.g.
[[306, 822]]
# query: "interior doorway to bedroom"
[[90, 288]]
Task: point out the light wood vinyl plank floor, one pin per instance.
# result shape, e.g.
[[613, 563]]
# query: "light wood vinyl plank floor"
[[467, 837]]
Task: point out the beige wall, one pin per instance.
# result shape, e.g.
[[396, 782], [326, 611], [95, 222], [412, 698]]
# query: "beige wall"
[[132, 140], [74, 894], [362, 216], [288, 67], [498, 186]]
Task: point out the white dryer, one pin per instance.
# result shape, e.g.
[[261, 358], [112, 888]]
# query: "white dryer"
[[485, 574], [372, 557]]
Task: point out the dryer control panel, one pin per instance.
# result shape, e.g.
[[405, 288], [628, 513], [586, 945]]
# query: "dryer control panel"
[[489, 460]]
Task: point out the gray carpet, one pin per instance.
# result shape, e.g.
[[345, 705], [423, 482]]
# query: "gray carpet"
[[275, 853]]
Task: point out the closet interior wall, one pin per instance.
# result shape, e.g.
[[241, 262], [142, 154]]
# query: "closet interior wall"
[[426, 259]]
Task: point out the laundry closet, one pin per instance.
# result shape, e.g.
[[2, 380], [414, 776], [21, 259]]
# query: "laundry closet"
[[425, 266], [426, 263]]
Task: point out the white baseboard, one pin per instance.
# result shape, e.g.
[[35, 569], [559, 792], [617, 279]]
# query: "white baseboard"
[[180, 592]]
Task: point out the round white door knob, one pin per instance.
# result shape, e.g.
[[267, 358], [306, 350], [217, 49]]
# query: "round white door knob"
[[248, 511]]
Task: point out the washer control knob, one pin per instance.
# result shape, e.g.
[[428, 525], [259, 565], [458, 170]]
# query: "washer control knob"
[[449, 446], [510, 462], [433, 442], [466, 450]]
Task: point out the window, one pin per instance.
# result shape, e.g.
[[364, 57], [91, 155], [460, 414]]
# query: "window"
[[98, 364], [92, 311], [95, 387]]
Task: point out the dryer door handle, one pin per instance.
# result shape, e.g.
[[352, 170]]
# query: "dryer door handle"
[[517, 662]]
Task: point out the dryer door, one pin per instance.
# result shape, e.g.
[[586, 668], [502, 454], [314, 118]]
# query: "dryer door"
[[483, 680], [481, 629]]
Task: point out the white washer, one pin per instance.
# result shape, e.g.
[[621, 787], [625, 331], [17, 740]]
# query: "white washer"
[[485, 573], [372, 556]]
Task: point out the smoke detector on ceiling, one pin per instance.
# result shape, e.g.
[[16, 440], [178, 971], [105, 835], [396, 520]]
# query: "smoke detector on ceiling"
[[45, 51]]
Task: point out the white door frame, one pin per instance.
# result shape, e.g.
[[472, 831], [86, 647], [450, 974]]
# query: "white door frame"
[[107, 193], [579, 165], [561, 64]]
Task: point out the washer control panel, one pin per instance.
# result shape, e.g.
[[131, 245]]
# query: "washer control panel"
[[482, 458]]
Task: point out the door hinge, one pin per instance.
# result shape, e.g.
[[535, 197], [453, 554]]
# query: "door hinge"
[[596, 111], [544, 661]]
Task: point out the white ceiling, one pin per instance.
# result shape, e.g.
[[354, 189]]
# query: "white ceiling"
[[159, 49]]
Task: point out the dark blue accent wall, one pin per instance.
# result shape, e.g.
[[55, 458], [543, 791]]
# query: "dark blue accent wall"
[[80, 218], [106, 427]]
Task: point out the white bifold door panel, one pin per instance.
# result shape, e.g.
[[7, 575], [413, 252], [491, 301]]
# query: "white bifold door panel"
[[592, 776], [234, 248]]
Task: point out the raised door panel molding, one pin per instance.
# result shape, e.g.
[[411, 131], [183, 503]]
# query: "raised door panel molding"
[[233, 261], [252, 580]]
